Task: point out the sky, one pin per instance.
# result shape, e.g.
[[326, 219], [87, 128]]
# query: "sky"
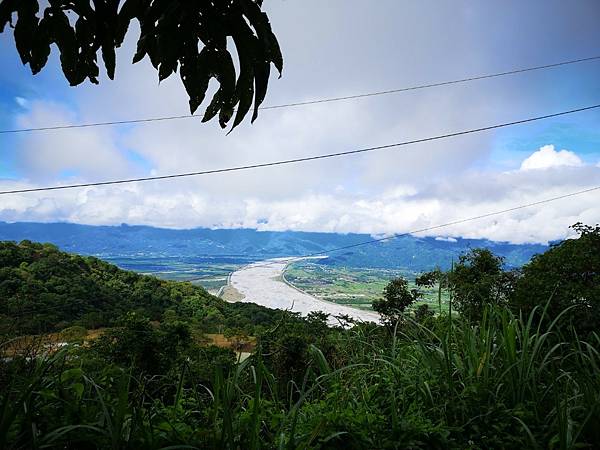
[[333, 48]]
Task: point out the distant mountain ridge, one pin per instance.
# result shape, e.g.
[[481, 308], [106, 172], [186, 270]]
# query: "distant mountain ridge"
[[407, 252]]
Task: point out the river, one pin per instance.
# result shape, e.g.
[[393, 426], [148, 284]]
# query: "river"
[[262, 283]]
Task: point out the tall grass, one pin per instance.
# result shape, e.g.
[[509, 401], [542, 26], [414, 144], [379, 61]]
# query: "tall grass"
[[509, 382]]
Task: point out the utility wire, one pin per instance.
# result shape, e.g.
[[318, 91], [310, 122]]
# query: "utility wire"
[[313, 102], [386, 238], [308, 158]]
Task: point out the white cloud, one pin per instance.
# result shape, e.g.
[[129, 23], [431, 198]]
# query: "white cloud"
[[90, 152], [22, 102], [446, 239], [546, 158]]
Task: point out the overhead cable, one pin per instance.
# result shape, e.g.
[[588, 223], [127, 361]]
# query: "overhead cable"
[[299, 160], [309, 102]]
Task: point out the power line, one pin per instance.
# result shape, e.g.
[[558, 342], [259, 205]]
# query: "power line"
[[305, 159], [386, 238], [431, 85], [313, 102]]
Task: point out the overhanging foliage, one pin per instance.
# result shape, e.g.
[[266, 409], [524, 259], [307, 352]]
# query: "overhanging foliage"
[[189, 37]]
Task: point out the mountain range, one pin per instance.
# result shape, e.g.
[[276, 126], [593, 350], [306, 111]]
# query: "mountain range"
[[405, 252]]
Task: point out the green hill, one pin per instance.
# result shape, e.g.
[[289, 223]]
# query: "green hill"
[[43, 289]]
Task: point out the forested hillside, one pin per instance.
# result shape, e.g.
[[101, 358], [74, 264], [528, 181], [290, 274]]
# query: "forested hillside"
[[399, 204], [43, 289]]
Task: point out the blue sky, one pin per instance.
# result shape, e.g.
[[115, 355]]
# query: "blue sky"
[[333, 48]]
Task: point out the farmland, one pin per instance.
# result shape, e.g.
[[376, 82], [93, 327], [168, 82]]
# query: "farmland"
[[351, 286]]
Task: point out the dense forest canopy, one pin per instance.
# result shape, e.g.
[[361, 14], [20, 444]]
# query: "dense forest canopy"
[[568, 277], [43, 289]]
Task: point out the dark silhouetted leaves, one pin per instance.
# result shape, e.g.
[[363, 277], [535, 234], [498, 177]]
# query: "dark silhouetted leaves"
[[27, 23], [7, 7], [186, 36]]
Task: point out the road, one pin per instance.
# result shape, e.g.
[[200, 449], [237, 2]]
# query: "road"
[[263, 284]]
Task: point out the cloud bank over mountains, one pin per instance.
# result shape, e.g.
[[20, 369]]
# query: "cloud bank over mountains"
[[267, 203]]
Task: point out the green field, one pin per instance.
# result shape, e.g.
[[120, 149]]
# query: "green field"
[[210, 273], [356, 287]]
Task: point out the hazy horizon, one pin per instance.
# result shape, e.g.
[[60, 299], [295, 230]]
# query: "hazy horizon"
[[435, 236]]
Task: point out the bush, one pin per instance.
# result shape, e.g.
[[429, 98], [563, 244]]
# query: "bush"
[[478, 280], [566, 277]]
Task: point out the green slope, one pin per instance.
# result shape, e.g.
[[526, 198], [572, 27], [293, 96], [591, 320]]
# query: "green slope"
[[43, 289]]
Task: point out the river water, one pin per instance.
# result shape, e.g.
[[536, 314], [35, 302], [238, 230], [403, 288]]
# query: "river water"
[[262, 283]]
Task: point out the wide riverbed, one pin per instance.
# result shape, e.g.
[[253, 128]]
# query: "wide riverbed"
[[262, 283]]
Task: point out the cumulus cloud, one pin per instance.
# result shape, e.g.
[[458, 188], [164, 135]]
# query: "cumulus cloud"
[[546, 158]]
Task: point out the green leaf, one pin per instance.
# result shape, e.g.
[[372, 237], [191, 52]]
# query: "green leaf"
[[195, 75], [109, 57], [171, 34], [213, 107], [78, 388], [71, 374], [65, 39], [129, 11], [246, 44], [141, 50], [168, 43], [320, 359], [40, 49], [260, 22], [226, 77]]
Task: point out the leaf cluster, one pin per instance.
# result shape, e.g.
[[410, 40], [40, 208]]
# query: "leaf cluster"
[[477, 280], [505, 383], [189, 37]]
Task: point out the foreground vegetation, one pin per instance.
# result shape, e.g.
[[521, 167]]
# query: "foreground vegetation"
[[518, 368], [502, 384]]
